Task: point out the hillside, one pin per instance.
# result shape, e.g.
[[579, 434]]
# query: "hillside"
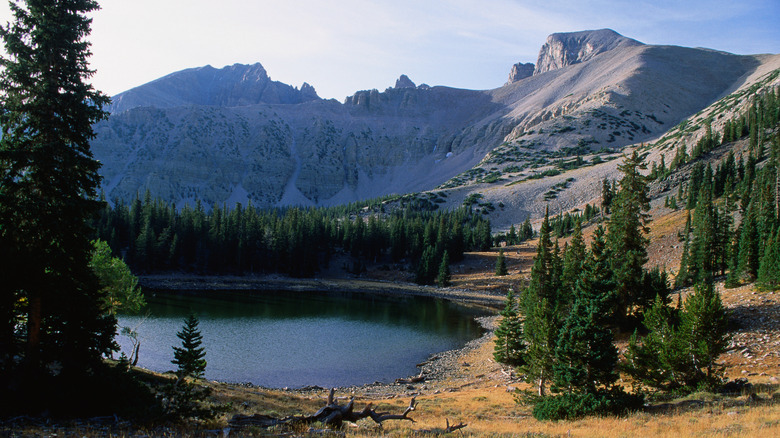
[[233, 135]]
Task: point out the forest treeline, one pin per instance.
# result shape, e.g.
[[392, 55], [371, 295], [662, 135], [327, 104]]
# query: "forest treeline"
[[560, 331], [152, 235]]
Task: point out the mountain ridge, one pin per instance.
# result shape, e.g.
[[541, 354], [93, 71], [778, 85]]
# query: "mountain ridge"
[[599, 91]]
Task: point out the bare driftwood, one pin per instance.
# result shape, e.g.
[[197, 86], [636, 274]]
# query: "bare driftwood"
[[416, 379], [332, 415]]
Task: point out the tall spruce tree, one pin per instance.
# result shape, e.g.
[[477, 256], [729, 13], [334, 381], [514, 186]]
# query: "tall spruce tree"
[[501, 264], [48, 191], [509, 346], [627, 240], [444, 277], [540, 304]]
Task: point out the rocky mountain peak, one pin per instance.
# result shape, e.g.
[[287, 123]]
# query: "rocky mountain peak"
[[230, 86], [562, 49], [404, 82], [520, 71]]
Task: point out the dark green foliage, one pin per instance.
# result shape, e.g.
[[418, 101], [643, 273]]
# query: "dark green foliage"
[[573, 259], [571, 406], [444, 277], [749, 249], [627, 241], [769, 269], [298, 242], [501, 263], [526, 232], [682, 344], [606, 196], [540, 305], [53, 326], [185, 399], [509, 346], [189, 358], [585, 357]]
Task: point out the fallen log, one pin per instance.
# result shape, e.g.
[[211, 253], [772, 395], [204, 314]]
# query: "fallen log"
[[332, 415], [416, 379]]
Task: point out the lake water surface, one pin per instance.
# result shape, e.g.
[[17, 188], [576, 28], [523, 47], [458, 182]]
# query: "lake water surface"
[[296, 339]]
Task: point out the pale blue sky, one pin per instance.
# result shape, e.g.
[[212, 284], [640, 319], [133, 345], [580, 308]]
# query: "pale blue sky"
[[341, 46]]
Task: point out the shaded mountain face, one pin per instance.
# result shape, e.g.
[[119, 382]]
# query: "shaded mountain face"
[[233, 135], [235, 85]]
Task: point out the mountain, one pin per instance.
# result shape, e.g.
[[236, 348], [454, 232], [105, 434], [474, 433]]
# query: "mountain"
[[235, 85], [233, 135]]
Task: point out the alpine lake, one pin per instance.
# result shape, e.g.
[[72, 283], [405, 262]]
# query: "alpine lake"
[[292, 339]]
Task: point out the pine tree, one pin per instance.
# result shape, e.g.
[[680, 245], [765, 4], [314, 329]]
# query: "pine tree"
[[501, 264], [527, 230], [683, 344], [573, 260], [48, 192], [749, 239], [444, 277], [539, 305], [627, 239], [509, 346], [190, 356], [769, 267], [511, 237], [586, 358], [704, 330]]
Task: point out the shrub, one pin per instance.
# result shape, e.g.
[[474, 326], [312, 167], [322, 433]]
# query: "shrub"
[[571, 406]]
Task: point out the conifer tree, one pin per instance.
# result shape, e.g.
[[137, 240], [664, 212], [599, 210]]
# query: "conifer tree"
[[511, 237], [48, 192], [444, 277], [509, 346], [586, 357], [704, 329], [749, 239], [501, 264], [189, 358], [627, 239], [683, 344], [527, 231], [539, 304], [769, 267], [573, 259]]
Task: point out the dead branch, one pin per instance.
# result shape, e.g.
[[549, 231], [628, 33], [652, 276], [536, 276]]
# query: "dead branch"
[[331, 415], [454, 427]]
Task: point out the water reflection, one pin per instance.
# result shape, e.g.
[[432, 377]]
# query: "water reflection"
[[304, 338]]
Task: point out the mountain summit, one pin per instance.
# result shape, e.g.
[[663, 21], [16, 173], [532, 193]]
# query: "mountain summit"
[[234, 85], [562, 49]]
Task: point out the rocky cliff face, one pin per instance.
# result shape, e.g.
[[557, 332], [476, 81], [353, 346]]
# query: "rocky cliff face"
[[233, 135], [562, 49], [520, 71], [235, 85]]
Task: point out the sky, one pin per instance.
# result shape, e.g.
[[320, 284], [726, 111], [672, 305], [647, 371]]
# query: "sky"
[[342, 46]]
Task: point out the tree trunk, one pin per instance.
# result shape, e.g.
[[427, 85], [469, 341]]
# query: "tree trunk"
[[34, 315]]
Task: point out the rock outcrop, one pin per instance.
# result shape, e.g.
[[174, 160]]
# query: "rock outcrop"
[[404, 82], [519, 72], [562, 49]]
